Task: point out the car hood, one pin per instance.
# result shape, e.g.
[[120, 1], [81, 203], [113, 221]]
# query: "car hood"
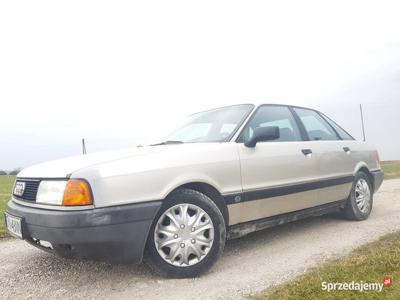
[[63, 168]]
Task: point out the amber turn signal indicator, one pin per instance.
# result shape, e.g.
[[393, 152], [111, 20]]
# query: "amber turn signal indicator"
[[77, 192]]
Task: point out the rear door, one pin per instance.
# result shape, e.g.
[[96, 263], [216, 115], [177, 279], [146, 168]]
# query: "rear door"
[[347, 143], [275, 174], [332, 154]]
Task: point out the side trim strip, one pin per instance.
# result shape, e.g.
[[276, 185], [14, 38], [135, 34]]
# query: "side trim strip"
[[285, 190]]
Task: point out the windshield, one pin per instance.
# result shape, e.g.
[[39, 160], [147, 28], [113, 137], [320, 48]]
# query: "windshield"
[[217, 125]]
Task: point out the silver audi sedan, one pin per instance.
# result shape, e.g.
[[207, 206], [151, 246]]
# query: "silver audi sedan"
[[225, 173]]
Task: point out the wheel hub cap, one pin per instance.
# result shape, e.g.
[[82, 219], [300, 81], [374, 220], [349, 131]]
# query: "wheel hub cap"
[[363, 195], [184, 235]]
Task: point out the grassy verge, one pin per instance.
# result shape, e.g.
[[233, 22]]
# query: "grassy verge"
[[369, 263], [391, 169], [6, 184]]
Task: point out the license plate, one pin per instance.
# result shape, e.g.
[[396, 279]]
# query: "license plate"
[[14, 225]]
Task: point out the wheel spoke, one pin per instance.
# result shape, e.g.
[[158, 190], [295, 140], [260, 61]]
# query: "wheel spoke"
[[167, 230], [197, 219], [184, 214], [362, 205], [171, 216], [185, 256], [365, 186], [174, 252], [367, 205], [166, 242], [196, 250], [203, 243], [203, 227]]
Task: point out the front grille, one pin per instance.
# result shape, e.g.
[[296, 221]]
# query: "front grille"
[[31, 189]]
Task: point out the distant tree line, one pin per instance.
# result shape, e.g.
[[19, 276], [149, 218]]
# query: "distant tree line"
[[13, 172]]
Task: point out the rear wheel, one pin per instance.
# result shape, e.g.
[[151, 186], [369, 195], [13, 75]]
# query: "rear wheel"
[[187, 236], [359, 204]]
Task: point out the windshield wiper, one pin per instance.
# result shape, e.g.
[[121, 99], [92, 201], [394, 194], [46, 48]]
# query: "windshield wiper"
[[167, 143]]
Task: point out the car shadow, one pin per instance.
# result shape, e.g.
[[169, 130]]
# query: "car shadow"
[[282, 231]]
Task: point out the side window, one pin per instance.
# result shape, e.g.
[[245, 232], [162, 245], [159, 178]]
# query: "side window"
[[342, 133], [316, 127], [279, 116]]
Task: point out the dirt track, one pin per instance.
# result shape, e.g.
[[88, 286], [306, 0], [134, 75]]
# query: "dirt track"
[[248, 265]]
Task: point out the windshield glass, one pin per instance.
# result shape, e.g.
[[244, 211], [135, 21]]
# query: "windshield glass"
[[217, 125]]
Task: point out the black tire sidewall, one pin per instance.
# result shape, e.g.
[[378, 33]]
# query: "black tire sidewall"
[[153, 259]]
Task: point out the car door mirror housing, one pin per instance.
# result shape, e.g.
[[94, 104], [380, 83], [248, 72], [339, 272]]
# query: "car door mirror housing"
[[263, 134]]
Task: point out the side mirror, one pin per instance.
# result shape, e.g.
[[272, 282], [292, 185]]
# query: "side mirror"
[[262, 134]]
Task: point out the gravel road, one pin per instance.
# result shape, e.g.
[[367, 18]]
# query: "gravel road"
[[248, 265]]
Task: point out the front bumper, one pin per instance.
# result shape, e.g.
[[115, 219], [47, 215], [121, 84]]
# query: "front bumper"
[[116, 234], [377, 179]]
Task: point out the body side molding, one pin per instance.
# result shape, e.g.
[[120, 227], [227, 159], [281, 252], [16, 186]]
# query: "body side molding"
[[285, 190]]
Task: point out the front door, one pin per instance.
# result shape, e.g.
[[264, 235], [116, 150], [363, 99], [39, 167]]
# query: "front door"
[[277, 175]]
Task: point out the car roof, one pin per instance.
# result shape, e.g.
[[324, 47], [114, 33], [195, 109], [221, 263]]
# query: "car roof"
[[256, 105]]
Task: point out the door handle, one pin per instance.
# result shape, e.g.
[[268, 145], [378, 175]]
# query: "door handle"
[[346, 149], [306, 151]]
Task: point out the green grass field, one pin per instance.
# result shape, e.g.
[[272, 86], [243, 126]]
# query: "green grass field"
[[369, 263], [6, 185], [391, 169]]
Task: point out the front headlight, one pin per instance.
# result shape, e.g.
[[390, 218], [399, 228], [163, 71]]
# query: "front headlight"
[[74, 192], [51, 192]]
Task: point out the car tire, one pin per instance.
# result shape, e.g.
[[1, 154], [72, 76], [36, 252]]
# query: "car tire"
[[205, 243], [359, 204]]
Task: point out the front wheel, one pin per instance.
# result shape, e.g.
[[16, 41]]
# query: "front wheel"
[[187, 236], [359, 204]]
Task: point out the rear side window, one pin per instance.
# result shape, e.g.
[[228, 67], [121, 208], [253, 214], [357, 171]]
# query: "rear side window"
[[342, 133], [317, 128], [268, 115]]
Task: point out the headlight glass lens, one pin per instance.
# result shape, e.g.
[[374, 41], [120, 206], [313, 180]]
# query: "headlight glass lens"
[[51, 192]]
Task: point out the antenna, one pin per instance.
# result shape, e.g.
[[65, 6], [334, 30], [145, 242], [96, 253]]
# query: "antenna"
[[83, 147], [362, 121]]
